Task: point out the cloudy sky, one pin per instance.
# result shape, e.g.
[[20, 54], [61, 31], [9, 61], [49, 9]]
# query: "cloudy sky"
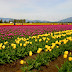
[[50, 10]]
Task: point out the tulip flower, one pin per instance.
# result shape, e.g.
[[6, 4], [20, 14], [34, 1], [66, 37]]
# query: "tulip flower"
[[0, 48], [57, 46], [39, 50], [66, 52], [40, 40], [22, 62], [46, 50], [46, 41], [65, 56], [70, 58], [30, 42], [3, 46], [14, 47], [20, 44], [30, 53], [24, 45], [35, 40]]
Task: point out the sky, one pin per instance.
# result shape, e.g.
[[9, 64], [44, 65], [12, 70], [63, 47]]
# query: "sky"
[[49, 10]]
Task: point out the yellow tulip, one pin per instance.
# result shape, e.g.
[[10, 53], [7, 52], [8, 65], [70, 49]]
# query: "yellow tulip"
[[39, 50], [27, 38], [22, 62], [70, 53], [57, 46], [44, 38], [70, 58], [3, 46], [18, 38], [46, 46], [30, 42], [24, 45], [46, 41], [30, 53], [5, 42], [65, 42], [0, 48], [53, 44], [20, 44], [27, 42], [66, 52], [12, 44], [17, 42], [40, 40], [50, 49], [46, 50], [56, 42], [51, 34], [53, 37], [37, 36], [70, 39], [35, 40], [65, 56], [14, 47]]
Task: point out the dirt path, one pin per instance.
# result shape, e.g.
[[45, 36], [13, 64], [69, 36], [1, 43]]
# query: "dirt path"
[[15, 66]]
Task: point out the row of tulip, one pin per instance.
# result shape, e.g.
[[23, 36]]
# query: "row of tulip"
[[45, 57], [31, 43], [68, 32], [37, 23], [49, 43], [67, 66], [65, 40], [12, 32]]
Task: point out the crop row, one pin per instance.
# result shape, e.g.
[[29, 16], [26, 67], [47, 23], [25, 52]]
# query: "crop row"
[[11, 32], [45, 57], [37, 23], [67, 66], [21, 46]]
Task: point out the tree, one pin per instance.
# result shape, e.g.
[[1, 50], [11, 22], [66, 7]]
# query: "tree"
[[28, 22], [24, 20], [9, 21], [1, 21], [14, 20], [5, 21]]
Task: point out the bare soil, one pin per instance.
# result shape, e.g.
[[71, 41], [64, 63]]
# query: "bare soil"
[[51, 67]]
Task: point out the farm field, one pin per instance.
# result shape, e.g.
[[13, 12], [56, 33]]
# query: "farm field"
[[36, 48], [36, 24]]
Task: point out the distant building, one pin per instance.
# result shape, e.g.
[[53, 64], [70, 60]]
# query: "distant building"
[[11, 22]]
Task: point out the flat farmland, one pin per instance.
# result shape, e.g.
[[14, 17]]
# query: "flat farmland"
[[36, 23], [38, 47]]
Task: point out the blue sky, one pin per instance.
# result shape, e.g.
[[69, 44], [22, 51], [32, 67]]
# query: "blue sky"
[[50, 10]]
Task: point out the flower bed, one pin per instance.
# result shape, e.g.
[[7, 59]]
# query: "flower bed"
[[18, 42]]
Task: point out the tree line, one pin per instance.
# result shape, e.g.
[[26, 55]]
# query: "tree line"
[[14, 21]]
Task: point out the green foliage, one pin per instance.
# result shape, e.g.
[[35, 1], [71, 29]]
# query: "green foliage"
[[45, 57], [9, 55], [66, 67]]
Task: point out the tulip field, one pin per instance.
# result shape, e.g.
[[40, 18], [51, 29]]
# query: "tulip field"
[[36, 48]]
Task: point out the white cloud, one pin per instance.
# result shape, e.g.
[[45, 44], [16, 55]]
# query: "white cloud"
[[36, 9]]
